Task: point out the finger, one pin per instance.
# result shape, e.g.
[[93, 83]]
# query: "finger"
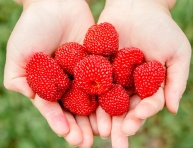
[[150, 105], [177, 75], [84, 124], [134, 101], [74, 32], [54, 115], [74, 137], [103, 122], [62, 123], [117, 137], [131, 123], [93, 122]]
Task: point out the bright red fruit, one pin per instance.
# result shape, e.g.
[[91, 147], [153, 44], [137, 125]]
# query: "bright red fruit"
[[102, 39], [124, 64], [93, 74], [68, 55], [116, 101], [148, 78], [45, 77], [79, 102]]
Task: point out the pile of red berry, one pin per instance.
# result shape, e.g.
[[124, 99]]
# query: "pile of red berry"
[[95, 73]]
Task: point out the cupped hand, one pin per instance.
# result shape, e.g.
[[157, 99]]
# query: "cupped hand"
[[44, 26], [147, 24]]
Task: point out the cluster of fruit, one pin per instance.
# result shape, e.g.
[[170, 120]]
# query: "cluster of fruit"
[[95, 73]]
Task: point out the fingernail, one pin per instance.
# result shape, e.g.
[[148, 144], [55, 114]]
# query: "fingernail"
[[73, 145], [104, 137], [174, 113], [176, 107], [63, 135], [129, 134], [143, 122]]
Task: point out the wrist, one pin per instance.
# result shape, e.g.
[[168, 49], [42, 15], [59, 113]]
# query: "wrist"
[[168, 4], [26, 3]]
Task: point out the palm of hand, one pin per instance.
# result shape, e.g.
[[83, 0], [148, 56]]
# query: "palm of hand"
[[152, 30], [159, 37], [46, 25], [43, 27]]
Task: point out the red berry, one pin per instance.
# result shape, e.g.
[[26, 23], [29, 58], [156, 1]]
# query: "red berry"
[[68, 55], [93, 74], [46, 78], [116, 101], [79, 102], [148, 78], [124, 64], [102, 39]]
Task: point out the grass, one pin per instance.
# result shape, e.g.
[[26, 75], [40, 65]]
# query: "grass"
[[22, 126]]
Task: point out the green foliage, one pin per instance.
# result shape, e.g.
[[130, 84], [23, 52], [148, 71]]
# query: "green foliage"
[[96, 7], [183, 15], [22, 126]]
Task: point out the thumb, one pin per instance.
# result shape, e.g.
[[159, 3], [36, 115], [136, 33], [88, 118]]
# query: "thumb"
[[177, 75]]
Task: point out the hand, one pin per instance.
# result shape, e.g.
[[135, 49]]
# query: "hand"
[[147, 24], [43, 26]]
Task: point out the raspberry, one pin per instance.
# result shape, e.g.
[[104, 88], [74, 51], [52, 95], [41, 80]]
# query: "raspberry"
[[148, 78], [45, 77], [93, 74], [116, 101], [79, 102], [68, 55], [124, 64], [102, 39]]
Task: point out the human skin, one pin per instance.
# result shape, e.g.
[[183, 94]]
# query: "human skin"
[[43, 26], [148, 25]]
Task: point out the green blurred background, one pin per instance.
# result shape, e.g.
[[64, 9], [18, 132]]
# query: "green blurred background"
[[22, 126]]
